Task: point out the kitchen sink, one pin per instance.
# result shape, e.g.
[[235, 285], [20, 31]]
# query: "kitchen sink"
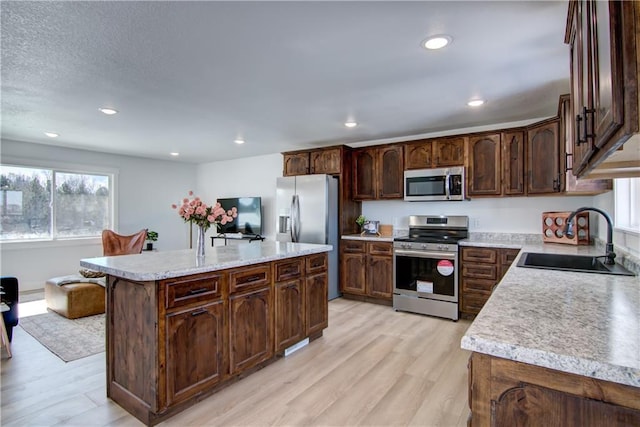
[[579, 263]]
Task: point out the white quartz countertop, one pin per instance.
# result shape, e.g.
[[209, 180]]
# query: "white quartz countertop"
[[582, 323], [163, 265]]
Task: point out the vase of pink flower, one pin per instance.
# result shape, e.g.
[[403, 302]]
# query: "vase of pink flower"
[[195, 211]]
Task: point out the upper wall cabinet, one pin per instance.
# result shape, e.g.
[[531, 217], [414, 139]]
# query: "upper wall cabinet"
[[378, 172], [439, 152], [543, 159], [484, 174], [327, 161], [604, 78], [295, 163], [513, 174]]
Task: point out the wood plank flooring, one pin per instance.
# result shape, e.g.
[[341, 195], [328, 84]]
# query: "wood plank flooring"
[[372, 367]]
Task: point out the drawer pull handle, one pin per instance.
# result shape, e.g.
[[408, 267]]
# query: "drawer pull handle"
[[197, 291], [253, 278], [199, 312]]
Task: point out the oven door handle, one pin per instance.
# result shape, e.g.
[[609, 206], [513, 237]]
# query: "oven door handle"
[[425, 254]]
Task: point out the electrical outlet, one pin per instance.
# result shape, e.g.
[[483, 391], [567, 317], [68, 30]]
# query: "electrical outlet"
[[476, 222]]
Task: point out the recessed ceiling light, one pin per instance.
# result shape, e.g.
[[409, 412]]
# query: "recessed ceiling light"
[[52, 134], [108, 111], [239, 141], [437, 42], [174, 154], [475, 102], [351, 124]]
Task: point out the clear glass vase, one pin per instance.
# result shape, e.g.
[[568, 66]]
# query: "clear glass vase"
[[200, 242]]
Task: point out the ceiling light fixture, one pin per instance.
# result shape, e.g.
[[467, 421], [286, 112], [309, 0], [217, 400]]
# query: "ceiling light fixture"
[[475, 102], [108, 111], [437, 42], [174, 154], [351, 123], [239, 141], [52, 134]]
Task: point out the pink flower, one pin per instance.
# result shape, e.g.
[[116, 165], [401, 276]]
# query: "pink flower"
[[190, 193]]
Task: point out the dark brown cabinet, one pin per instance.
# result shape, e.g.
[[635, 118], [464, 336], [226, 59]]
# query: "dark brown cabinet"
[[295, 163], [367, 269], [289, 302], [513, 155], [418, 154], [481, 269], [544, 173], [485, 166], [508, 393], [604, 78], [195, 343], [327, 161], [448, 152], [378, 173], [250, 329], [317, 303]]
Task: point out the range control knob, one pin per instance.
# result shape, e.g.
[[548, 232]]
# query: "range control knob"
[[424, 246]]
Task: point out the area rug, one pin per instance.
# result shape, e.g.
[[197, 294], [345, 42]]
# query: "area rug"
[[67, 339]]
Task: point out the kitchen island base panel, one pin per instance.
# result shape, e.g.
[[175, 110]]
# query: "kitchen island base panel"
[[503, 392], [365, 298]]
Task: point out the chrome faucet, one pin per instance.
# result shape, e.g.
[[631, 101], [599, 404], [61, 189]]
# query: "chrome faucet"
[[610, 255]]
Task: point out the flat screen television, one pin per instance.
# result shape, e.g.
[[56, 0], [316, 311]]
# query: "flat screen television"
[[249, 220]]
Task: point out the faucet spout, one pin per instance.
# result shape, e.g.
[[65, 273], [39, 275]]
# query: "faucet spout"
[[610, 255]]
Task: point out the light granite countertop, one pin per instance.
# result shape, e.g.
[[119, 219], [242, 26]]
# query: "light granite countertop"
[[163, 265], [582, 323], [367, 237]]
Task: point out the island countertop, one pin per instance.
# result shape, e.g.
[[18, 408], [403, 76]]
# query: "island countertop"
[[169, 264], [581, 323]]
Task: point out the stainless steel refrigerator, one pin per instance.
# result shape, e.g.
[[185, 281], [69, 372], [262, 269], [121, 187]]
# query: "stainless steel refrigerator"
[[307, 212]]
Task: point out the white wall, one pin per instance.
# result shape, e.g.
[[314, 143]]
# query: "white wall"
[[622, 239], [502, 215], [249, 177], [145, 191]]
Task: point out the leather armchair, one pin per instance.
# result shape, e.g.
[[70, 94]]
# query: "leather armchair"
[[117, 244], [10, 297]]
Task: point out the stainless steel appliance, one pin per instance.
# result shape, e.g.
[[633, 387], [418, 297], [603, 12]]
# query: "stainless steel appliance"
[[425, 265], [307, 212], [427, 185]]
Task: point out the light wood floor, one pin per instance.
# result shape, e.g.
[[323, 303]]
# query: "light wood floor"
[[373, 366]]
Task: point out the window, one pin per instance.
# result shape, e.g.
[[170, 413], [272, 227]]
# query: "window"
[[39, 203], [627, 204]]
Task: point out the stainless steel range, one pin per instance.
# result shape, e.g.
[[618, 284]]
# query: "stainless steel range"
[[425, 265]]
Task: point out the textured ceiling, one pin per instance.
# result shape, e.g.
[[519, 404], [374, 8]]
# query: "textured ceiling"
[[193, 76]]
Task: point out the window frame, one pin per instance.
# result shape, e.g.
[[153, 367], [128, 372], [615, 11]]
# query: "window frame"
[[64, 167], [627, 206]]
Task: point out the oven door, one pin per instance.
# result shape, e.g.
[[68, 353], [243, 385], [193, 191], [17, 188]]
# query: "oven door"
[[426, 274]]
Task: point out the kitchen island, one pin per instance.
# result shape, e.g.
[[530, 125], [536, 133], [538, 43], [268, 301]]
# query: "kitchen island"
[[179, 328], [556, 348]]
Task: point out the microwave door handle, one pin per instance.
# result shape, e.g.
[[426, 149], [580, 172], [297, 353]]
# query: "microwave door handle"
[[447, 185]]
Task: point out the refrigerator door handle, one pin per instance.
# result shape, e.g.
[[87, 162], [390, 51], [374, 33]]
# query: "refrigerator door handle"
[[295, 218]]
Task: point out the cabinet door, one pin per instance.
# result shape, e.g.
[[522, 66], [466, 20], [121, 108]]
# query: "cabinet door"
[[390, 172], [364, 174], [250, 329], [543, 159], [380, 276], [513, 163], [195, 343], [352, 273], [317, 305], [484, 166], [296, 164], [326, 161], [290, 314], [418, 154], [448, 152]]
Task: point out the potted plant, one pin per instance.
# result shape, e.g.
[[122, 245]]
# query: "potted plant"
[[360, 221], [152, 236]]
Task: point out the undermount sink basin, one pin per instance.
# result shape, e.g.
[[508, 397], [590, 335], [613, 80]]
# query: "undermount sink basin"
[[579, 263]]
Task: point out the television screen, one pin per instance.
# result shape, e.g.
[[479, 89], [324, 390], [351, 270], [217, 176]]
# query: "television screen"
[[249, 220]]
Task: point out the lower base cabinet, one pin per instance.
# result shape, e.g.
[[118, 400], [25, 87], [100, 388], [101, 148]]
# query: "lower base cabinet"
[[507, 393], [172, 342], [367, 269]]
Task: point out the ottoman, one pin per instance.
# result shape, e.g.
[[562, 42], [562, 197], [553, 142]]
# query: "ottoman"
[[75, 296]]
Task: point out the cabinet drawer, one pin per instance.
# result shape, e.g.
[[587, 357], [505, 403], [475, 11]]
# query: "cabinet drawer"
[[182, 292], [507, 256], [317, 263], [250, 277], [478, 285], [479, 255], [353, 246], [473, 303], [380, 248], [480, 271], [288, 269]]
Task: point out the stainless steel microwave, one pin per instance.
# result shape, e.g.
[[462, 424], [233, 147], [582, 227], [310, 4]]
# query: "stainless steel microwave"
[[428, 185]]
